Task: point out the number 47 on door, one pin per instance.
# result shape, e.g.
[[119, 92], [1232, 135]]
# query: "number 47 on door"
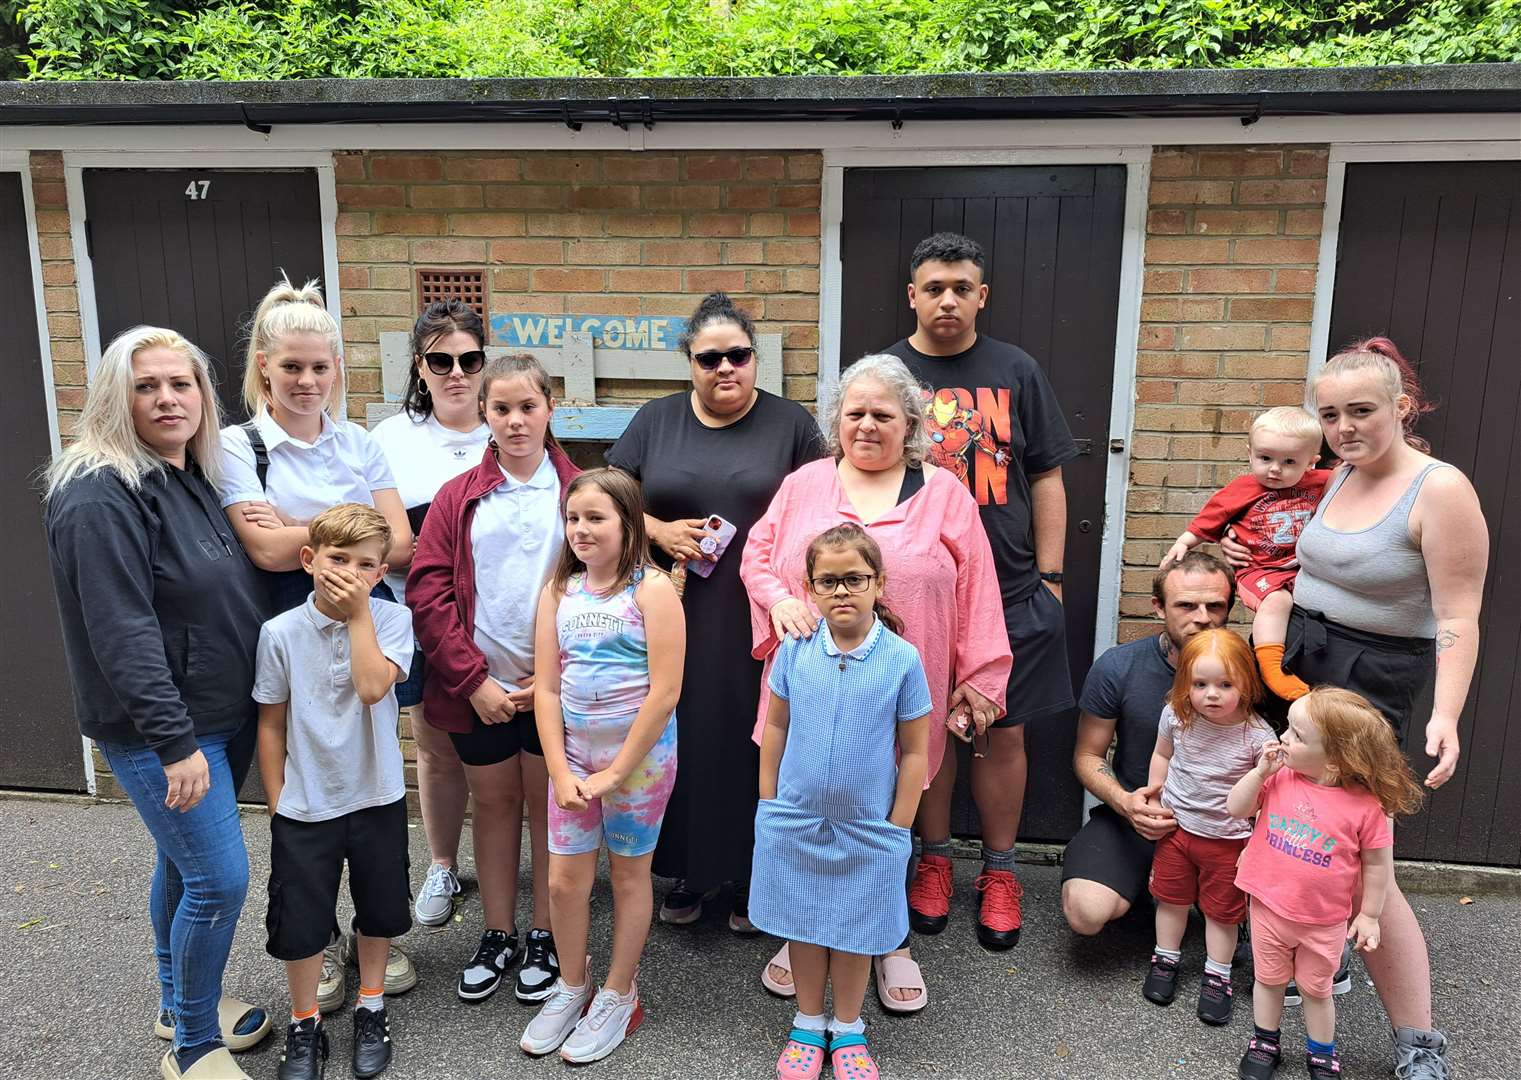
[[198, 189]]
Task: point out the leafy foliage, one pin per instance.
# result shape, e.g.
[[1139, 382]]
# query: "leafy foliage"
[[270, 39]]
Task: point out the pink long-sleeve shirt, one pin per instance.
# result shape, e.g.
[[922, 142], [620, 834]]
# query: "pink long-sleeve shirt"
[[940, 581]]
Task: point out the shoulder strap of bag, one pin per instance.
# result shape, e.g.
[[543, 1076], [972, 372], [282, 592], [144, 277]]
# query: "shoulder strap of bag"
[[260, 452]]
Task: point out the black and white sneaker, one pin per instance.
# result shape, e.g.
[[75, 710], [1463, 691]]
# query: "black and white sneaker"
[[305, 1056], [1340, 984], [372, 1042], [540, 967], [498, 950]]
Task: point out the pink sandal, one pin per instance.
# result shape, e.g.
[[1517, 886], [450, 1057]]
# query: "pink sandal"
[[782, 959], [850, 1059], [895, 971], [803, 1056]]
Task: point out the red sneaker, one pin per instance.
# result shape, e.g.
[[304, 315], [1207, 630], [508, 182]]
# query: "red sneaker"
[[929, 895], [998, 920]]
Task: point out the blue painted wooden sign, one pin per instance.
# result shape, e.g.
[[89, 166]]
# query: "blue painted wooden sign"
[[607, 331]]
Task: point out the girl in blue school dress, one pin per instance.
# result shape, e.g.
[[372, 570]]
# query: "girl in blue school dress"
[[843, 761]]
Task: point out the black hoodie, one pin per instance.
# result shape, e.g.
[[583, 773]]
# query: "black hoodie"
[[161, 609]]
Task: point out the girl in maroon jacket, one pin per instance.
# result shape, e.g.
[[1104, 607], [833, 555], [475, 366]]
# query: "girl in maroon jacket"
[[487, 546]]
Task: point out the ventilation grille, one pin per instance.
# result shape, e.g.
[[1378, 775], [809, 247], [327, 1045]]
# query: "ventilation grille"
[[466, 285]]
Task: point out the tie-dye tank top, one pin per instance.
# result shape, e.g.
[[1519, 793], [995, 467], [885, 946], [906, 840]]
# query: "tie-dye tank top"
[[604, 655]]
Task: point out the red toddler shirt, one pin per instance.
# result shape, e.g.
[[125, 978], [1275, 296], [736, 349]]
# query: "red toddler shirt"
[[1305, 854], [1268, 522]]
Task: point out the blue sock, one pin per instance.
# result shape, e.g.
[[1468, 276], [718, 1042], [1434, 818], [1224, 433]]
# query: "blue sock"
[[1313, 1047], [187, 1056]]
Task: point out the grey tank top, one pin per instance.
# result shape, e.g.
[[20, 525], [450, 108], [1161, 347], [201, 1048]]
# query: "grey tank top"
[[1369, 579]]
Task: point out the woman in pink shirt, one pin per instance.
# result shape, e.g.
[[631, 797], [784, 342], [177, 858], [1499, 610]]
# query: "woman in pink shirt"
[[939, 571]]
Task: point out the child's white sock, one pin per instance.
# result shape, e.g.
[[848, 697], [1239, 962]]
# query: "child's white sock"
[[803, 1022], [1212, 968], [1168, 954], [374, 1000], [840, 1027]]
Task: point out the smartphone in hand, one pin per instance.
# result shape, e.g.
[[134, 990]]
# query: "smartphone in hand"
[[715, 541]]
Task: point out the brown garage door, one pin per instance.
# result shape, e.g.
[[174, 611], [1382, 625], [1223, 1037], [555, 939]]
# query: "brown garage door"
[[1053, 237], [1431, 256], [37, 726], [196, 250]]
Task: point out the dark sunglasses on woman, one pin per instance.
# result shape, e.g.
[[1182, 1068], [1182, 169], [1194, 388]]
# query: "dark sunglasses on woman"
[[441, 363], [738, 356]]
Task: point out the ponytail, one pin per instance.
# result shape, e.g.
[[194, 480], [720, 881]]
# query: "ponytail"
[[284, 310], [889, 619]]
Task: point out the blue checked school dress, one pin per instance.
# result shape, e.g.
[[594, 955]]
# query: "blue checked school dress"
[[829, 867]]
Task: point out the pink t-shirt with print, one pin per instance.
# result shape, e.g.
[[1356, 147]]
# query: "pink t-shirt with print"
[[1305, 854]]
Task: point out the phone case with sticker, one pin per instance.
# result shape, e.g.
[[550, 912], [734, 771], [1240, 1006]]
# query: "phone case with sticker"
[[716, 541]]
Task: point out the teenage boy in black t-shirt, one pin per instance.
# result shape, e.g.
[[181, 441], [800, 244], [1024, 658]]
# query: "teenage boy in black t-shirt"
[[995, 422]]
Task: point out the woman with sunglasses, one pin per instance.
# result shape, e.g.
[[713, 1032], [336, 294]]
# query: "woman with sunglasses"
[[940, 580], [721, 450], [438, 434]]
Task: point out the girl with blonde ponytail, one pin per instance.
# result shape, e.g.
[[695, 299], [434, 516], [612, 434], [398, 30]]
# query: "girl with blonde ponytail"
[[297, 455]]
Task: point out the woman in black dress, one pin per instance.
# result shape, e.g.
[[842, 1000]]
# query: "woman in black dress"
[[721, 448]]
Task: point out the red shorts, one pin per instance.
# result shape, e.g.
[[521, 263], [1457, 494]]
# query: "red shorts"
[[1283, 949], [1186, 869], [1254, 585]]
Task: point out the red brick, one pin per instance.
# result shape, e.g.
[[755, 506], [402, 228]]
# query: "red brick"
[[487, 224], [800, 337], [58, 273], [353, 277], [1185, 365], [556, 280], [1174, 163], [798, 196], [792, 308], [1308, 162], [528, 252], [717, 225], [445, 195], [1283, 393], [701, 282], [800, 361], [1235, 222], [49, 193], [1289, 337], [803, 223], [644, 281], [390, 277], [482, 168], [601, 304], [47, 165], [1152, 391], [761, 281], [449, 251], [392, 223], [1281, 192], [349, 223], [52, 221], [582, 169], [1264, 366], [565, 224], [60, 298], [1218, 392], [1191, 192], [1173, 418], [792, 252], [1220, 336], [527, 304], [1156, 337], [746, 197], [1277, 251], [605, 197], [1273, 309], [62, 325], [1247, 161], [682, 197], [1201, 309], [361, 196], [643, 224], [804, 166], [70, 351], [527, 196], [1228, 280], [1167, 222], [681, 252], [406, 167], [766, 167], [745, 251], [1303, 222], [1159, 309], [68, 374], [348, 166], [514, 279], [1295, 281], [1163, 281], [802, 279], [603, 252], [640, 168], [680, 306], [714, 167], [55, 247], [1187, 250], [768, 224]]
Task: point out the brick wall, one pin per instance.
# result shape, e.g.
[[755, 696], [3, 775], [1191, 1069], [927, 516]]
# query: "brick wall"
[[606, 234], [60, 296], [1232, 243]]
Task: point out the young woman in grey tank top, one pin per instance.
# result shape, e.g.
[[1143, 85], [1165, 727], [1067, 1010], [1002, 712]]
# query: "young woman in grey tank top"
[[1392, 571]]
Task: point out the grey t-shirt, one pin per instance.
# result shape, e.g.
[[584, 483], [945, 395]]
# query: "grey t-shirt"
[[1129, 684], [341, 755]]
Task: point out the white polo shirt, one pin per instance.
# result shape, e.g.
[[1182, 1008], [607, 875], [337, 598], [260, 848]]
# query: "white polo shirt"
[[515, 540], [304, 479], [340, 754]]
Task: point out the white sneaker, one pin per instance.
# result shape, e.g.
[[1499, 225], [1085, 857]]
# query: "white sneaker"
[[547, 1030], [610, 1019], [435, 900], [332, 984]]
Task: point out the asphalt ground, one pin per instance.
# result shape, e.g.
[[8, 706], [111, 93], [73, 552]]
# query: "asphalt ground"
[[78, 996]]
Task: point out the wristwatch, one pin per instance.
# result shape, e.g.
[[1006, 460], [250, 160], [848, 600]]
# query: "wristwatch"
[[1053, 576]]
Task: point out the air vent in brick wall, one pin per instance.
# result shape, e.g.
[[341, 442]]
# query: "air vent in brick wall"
[[466, 285]]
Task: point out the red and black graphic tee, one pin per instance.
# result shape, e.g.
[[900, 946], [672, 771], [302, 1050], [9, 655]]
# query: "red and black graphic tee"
[[1267, 521], [994, 421]]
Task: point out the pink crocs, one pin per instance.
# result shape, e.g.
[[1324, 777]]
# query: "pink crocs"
[[803, 1056], [850, 1059]]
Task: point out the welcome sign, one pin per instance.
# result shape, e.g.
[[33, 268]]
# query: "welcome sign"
[[607, 331]]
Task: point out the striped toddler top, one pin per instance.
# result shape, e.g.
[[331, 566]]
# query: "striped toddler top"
[[604, 655], [1207, 760]]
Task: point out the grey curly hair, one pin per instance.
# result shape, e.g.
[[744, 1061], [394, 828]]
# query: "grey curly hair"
[[893, 374]]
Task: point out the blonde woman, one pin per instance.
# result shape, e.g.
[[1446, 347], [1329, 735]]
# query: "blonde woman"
[[161, 611]]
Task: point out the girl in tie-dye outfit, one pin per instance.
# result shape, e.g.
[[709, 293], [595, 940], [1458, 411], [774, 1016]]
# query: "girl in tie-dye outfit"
[[611, 641]]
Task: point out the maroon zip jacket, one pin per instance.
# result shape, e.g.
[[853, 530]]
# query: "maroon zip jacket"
[[441, 592]]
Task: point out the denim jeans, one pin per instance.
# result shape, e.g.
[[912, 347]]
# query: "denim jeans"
[[200, 878]]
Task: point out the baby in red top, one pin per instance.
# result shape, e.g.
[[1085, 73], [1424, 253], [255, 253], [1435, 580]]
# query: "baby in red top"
[[1269, 507]]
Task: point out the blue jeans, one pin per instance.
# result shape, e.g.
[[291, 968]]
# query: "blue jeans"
[[200, 878]]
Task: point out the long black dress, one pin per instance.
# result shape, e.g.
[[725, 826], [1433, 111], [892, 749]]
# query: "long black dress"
[[691, 471]]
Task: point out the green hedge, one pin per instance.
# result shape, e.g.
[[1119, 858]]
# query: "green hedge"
[[268, 39]]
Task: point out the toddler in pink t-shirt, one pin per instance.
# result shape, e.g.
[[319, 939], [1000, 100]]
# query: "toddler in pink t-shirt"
[[1321, 823]]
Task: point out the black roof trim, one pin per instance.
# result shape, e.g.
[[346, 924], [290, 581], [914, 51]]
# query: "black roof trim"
[[1453, 88]]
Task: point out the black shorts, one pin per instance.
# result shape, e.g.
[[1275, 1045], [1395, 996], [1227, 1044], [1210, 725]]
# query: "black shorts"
[[492, 744], [1391, 672], [1041, 680], [1107, 850], [306, 865]]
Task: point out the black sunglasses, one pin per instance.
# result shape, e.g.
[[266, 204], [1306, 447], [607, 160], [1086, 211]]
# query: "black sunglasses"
[[738, 356], [441, 363]]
